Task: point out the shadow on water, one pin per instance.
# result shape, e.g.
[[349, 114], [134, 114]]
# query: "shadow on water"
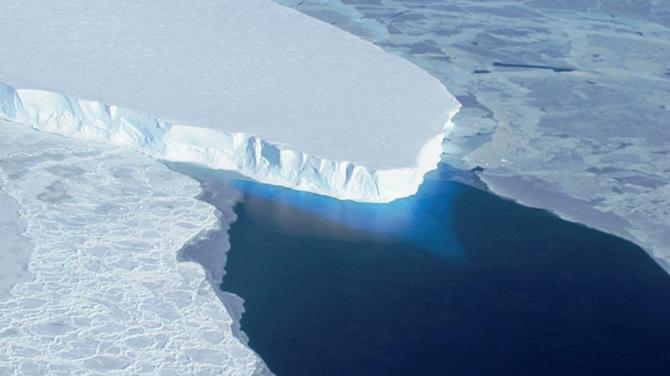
[[452, 281]]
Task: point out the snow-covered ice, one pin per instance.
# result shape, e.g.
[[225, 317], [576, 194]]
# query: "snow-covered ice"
[[15, 247], [108, 294], [245, 85]]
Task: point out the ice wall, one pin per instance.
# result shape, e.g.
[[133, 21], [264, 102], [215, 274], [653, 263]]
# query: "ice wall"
[[265, 90], [256, 158]]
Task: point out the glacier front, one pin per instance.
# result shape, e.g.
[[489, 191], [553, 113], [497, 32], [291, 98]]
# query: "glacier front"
[[250, 86]]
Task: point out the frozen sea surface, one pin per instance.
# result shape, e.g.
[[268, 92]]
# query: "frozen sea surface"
[[109, 295], [15, 247], [565, 103]]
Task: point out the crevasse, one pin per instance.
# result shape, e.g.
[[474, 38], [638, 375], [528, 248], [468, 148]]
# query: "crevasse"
[[251, 156]]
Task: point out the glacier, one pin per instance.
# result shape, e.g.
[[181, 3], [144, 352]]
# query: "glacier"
[[107, 294], [250, 86]]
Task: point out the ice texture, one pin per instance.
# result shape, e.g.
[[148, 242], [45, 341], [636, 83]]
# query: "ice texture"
[[15, 249], [253, 157], [108, 294], [565, 103], [246, 85]]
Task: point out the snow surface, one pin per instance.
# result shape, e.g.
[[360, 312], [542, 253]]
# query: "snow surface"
[[108, 295], [15, 250], [243, 80]]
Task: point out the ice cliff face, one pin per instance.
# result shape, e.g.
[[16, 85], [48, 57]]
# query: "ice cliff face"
[[251, 156], [265, 90]]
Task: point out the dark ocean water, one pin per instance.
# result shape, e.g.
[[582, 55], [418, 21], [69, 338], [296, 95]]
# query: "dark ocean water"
[[453, 281]]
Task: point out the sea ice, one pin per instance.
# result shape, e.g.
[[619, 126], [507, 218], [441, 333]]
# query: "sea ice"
[[108, 294], [15, 248], [565, 103]]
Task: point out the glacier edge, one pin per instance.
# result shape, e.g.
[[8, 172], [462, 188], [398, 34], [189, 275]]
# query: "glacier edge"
[[249, 155]]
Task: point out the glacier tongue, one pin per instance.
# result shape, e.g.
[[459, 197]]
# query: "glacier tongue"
[[246, 85], [253, 157]]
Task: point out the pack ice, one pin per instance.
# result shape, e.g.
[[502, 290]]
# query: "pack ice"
[[244, 85], [106, 294]]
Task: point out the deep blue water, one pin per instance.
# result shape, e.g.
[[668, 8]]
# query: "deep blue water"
[[453, 281]]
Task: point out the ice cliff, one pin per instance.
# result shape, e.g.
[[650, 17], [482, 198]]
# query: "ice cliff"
[[253, 157], [250, 86]]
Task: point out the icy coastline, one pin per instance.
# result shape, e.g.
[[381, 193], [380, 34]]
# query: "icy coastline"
[[249, 155], [251, 86]]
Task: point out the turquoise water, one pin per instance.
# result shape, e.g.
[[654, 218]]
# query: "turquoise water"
[[452, 281]]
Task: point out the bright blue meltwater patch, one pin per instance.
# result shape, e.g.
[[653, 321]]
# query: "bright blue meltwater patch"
[[422, 220]]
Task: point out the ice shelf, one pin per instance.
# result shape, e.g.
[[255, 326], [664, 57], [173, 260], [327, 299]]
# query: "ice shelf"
[[251, 86]]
